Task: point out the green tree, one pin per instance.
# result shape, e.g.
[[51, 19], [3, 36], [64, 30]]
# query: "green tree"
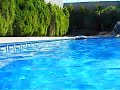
[[72, 15], [83, 14], [32, 18], [25, 15], [7, 14]]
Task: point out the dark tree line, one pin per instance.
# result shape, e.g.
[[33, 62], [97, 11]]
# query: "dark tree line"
[[100, 18]]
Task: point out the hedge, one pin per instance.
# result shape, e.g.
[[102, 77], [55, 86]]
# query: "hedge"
[[7, 15], [32, 18]]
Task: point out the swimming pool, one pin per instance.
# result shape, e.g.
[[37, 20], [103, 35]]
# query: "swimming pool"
[[92, 64]]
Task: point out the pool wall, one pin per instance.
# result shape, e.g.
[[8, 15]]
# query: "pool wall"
[[24, 39], [8, 44]]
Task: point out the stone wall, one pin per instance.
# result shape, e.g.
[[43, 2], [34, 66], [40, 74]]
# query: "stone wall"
[[91, 5], [57, 2]]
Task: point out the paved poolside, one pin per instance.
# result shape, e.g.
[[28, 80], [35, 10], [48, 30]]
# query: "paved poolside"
[[23, 39]]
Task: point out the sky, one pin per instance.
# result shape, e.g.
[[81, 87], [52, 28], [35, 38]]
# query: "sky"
[[68, 1]]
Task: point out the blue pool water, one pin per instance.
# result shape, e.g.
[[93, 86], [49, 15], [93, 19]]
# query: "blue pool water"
[[92, 64]]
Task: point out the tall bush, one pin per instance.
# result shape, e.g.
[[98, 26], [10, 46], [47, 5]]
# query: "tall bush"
[[83, 13], [43, 18], [72, 15], [66, 19], [51, 28], [7, 14], [25, 16], [32, 18], [59, 21]]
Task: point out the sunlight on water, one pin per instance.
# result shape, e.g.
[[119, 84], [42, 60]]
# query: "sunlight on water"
[[92, 64]]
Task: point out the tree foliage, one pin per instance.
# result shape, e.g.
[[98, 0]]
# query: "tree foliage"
[[32, 18], [7, 14], [107, 16], [100, 18]]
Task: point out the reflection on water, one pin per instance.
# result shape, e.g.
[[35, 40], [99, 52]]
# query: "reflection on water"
[[91, 64]]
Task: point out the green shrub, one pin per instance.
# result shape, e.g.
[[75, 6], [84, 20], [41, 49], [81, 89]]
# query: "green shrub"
[[25, 16], [32, 18], [7, 14], [66, 22], [59, 21], [43, 18], [72, 14]]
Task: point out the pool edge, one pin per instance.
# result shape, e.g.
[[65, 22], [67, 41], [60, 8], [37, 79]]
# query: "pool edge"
[[6, 40]]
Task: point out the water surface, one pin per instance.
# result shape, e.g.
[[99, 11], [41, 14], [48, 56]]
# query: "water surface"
[[92, 64]]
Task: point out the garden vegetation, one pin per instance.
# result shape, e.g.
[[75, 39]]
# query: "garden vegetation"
[[32, 18], [92, 21]]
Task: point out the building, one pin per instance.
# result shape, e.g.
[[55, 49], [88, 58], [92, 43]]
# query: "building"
[[91, 5], [57, 2]]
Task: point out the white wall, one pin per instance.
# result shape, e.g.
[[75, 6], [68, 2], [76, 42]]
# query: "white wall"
[[57, 2]]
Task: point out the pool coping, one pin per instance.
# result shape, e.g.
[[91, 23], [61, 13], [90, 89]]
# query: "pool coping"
[[6, 40]]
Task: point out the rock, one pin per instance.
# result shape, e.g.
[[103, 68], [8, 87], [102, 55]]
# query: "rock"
[[103, 33], [80, 37], [118, 35], [116, 30]]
